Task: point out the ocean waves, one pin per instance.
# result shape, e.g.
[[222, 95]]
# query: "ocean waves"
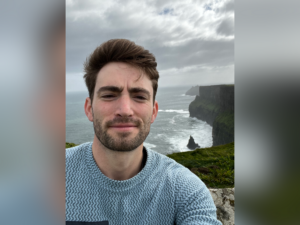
[[174, 111]]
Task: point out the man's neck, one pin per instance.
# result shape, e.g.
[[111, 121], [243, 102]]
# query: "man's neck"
[[117, 165]]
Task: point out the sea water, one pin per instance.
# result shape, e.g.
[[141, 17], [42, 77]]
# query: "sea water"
[[169, 133]]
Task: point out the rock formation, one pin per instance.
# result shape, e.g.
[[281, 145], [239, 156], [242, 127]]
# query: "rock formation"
[[193, 91], [216, 107], [224, 201], [192, 145]]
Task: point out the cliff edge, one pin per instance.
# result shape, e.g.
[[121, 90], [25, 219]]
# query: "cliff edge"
[[215, 105]]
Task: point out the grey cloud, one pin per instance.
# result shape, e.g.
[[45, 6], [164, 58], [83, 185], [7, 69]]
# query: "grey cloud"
[[195, 52], [176, 44], [228, 7], [226, 27], [160, 5]]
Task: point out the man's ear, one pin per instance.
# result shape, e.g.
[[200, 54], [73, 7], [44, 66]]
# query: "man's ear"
[[88, 109], [155, 111]]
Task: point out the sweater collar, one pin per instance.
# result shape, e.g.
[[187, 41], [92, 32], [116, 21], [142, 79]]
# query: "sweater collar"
[[117, 185]]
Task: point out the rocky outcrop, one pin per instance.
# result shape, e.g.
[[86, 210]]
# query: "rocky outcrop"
[[224, 201], [192, 145], [193, 91], [215, 105]]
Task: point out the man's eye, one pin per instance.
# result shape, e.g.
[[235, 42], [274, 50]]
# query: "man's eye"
[[108, 96], [140, 97]]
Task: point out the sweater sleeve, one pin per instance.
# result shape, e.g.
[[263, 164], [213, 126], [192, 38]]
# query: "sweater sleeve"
[[193, 202]]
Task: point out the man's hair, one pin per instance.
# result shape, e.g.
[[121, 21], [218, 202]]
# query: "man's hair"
[[120, 50]]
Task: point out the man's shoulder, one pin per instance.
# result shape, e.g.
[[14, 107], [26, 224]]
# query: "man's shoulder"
[[174, 169]]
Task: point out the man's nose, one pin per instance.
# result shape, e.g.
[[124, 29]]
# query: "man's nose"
[[124, 107]]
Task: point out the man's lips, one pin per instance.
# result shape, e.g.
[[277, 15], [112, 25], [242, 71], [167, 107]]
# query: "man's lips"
[[123, 127]]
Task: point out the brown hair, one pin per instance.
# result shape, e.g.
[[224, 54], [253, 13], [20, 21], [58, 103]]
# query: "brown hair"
[[120, 50]]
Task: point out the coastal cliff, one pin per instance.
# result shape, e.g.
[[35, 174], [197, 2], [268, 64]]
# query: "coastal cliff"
[[193, 91], [215, 105]]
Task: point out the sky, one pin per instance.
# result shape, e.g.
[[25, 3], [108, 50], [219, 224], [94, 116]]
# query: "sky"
[[192, 41]]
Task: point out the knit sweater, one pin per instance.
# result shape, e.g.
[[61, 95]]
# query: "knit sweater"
[[163, 192]]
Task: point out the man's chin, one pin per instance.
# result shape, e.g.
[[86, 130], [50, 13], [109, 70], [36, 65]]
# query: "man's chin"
[[122, 147]]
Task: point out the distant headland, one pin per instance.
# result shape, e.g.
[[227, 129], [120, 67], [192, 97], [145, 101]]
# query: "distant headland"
[[193, 91]]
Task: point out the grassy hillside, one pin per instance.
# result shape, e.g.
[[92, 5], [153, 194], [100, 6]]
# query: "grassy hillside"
[[214, 166]]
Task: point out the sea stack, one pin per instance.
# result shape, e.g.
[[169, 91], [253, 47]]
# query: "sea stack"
[[192, 145]]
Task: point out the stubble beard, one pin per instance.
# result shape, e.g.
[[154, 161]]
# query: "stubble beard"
[[121, 143]]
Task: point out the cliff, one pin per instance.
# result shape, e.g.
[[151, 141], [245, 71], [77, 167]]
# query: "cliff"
[[193, 91], [215, 105]]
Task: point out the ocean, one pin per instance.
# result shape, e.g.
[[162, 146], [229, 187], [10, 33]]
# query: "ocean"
[[169, 133]]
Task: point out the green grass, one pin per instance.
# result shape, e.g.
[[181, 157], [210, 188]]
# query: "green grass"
[[70, 145], [214, 166]]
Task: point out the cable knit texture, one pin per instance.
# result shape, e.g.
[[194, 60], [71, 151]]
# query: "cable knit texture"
[[163, 192]]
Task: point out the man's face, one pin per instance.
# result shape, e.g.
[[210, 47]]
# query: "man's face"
[[122, 109]]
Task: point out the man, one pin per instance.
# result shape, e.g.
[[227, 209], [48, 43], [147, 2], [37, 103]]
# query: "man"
[[115, 179]]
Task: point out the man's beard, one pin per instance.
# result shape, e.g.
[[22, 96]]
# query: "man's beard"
[[122, 142]]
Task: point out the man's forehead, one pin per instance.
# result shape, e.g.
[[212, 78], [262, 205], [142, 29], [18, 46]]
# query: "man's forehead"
[[122, 74], [119, 67]]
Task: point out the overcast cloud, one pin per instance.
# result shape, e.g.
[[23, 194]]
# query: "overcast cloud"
[[193, 41]]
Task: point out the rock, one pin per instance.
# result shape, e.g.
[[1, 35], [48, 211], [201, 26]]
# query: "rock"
[[192, 145], [224, 201]]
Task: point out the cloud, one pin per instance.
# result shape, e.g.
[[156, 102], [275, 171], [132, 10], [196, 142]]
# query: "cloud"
[[228, 6], [166, 11], [180, 34], [226, 27]]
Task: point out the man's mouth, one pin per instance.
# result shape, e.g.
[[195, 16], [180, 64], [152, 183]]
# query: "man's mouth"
[[123, 126]]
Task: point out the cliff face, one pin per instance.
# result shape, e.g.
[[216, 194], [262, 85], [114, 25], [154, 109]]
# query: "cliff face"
[[204, 110], [215, 105]]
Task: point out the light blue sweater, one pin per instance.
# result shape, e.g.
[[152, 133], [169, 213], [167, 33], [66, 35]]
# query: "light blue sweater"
[[163, 192]]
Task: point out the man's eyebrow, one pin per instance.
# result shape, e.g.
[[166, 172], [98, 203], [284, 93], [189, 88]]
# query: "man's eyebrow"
[[110, 88], [138, 90]]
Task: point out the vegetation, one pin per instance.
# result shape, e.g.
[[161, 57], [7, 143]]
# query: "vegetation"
[[214, 166], [70, 145]]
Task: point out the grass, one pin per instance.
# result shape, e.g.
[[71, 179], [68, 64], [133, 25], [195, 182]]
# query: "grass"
[[214, 166], [70, 145]]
